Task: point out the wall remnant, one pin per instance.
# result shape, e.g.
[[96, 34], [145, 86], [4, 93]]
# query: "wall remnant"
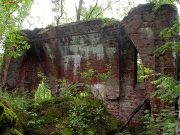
[[61, 52]]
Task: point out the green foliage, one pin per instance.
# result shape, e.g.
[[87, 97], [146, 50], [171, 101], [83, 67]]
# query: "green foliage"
[[99, 9], [140, 70], [15, 132], [167, 89], [70, 115], [8, 119], [76, 112], [19, 102], [146, 127], [58, 9], [159, 3], [89, 116], [43, 92], [12, 16], [166, 122], [148, 73], [163, 123], [124, 132], [168, 33], [14, 44], [89, 74], [174, 46], [43, 116], [124, 8], [88, 14], [106, 75], [72, 90], [109, 22], [172, 31]]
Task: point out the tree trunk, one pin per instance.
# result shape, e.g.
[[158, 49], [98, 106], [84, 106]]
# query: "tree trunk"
[[79, 10], [132, 115]]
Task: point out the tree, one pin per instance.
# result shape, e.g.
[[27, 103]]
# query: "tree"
[[97, 9], [12, 16], [85, 11], [59, 9], [124, 8], [78, 11]]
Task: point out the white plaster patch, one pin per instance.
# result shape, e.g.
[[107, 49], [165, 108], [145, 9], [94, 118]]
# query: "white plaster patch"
[[76, 61], [49, 51], [110, 52], [86, 50], [99, 90], [65, 50], [148, 33]]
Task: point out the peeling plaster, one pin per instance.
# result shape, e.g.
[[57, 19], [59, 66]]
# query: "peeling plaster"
[[79, 51], [49, 51], [85, 50], [147, 32], [110, 52], [99, 90], [76, 61]]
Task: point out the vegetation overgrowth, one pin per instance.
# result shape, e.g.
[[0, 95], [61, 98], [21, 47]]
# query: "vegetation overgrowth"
[[75, 112], [67, 115]]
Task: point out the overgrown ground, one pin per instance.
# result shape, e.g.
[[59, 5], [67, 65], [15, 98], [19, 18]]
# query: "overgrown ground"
[[71, 114]]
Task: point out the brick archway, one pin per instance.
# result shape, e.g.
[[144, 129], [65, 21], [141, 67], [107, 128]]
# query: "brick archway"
[[143, 25]]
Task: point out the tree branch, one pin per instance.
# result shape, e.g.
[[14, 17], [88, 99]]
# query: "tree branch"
[[132, 115], [75, 6], [93, 9], [102, 11], [59, 16], [79, 10]]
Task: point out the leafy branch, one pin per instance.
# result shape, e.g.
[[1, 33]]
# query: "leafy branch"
[[93, 9], [167, 89], [169, 34]]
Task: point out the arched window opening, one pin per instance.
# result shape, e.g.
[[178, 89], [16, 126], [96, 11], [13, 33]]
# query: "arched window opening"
[[139, 73], [140, 69]]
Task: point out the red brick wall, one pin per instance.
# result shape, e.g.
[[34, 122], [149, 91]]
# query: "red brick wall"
[[143, 26]]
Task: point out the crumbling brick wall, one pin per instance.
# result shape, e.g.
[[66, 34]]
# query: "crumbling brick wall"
[[61, 52], [143, 26]]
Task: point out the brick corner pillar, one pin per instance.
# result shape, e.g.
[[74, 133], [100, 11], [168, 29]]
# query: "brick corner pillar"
[[143, 26]]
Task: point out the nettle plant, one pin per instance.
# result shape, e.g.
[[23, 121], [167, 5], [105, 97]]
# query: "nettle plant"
[[167, 90], [43, 92]]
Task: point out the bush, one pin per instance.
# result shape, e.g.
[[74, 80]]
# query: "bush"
[[69, 115]]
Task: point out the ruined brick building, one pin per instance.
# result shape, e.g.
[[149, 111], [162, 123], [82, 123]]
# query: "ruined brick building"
[[61, 52]]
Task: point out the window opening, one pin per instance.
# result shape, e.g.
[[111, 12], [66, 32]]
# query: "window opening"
[[140, 69]]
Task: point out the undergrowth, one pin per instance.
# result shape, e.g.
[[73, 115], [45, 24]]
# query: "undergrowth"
[[76, 112]]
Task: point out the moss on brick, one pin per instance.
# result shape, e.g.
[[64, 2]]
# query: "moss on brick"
[[8, 120]]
